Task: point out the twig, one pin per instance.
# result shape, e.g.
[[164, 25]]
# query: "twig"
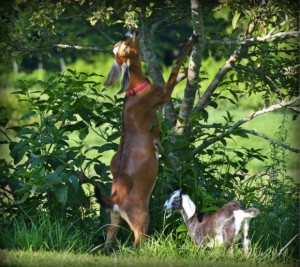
[[295, 150], [282, 249], [249, 117], [280, 36], [168, 158], [260, 72], [83, 48], [228, 65], [6, 135]]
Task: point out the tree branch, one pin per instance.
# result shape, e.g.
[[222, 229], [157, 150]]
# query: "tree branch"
[[228, 65], [168, 158], [295, 150], [264, 76], [249, 117], [83, 48], [278, 37]]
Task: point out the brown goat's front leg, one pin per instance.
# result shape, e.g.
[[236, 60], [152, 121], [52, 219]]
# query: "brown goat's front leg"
[[172, 81]]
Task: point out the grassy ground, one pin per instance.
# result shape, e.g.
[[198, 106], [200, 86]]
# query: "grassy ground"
[[29, 258]]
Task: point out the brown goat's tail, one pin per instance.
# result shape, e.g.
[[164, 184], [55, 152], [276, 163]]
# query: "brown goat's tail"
[[105, 203]]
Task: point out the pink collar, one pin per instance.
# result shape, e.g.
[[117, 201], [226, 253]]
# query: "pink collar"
[[138, 88]]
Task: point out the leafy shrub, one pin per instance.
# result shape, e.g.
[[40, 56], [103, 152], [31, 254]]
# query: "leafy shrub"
[[48, 150]]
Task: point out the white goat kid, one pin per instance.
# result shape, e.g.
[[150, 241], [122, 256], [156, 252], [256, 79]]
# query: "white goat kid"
[[221, 227]]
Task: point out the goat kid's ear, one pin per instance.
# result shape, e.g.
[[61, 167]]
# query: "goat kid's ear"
[[114, 74], [188, 206]]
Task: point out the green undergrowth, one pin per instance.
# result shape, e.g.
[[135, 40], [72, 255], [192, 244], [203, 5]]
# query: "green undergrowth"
[[41, 240]]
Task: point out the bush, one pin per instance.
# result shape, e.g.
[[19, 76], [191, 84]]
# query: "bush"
[[48, 150]]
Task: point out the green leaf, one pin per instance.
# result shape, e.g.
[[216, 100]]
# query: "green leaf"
[[74, 182], [47, 139], [36, 160], [76, 126], [113, 136], [181, 228], [241, 134], [61, 193], [3, 122], [83, 134], [19, 150], [53, 178], [28, 115], [106, 147], [25, 131], [213, 104], [235, 19]]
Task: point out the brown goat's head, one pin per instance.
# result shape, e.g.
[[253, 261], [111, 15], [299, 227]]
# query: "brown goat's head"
[[126, 51]]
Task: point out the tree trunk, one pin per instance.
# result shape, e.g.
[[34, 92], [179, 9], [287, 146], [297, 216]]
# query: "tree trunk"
[[192, 84]]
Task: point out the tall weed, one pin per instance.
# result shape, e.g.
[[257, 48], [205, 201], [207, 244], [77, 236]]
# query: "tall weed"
[[277, 196]]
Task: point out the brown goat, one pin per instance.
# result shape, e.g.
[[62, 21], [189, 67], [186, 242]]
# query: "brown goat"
[[134, 167]]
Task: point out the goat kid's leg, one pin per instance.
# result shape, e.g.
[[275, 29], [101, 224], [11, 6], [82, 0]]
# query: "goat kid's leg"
[[246, 240], [112, 230]]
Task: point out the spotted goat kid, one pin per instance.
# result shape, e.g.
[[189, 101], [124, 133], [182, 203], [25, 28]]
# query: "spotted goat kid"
[[213, 229]]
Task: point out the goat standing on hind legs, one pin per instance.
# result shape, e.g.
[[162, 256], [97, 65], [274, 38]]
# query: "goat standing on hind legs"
[[135, 165]]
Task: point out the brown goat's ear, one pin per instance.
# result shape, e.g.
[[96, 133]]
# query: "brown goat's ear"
[[125, 81], [114, 74]]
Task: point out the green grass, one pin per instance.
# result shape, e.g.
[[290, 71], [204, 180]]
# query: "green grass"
[[39, 231], [157, 250], [42, 258], [42, 240]]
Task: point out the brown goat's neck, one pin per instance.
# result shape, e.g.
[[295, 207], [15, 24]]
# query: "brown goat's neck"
[[136, 75]]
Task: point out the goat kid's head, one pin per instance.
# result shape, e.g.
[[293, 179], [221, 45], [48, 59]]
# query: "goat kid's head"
[[180, 201], [126, 51]]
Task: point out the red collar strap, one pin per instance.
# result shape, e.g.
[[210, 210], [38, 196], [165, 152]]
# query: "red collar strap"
[[138, 88]]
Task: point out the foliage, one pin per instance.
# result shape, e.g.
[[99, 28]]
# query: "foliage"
[[50, 157], [278, 200], [220, 174], [48, 152]]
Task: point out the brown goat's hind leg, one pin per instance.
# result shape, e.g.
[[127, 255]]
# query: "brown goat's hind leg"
[[112, 230], [140, 233], [140, 229], [138, 220]]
